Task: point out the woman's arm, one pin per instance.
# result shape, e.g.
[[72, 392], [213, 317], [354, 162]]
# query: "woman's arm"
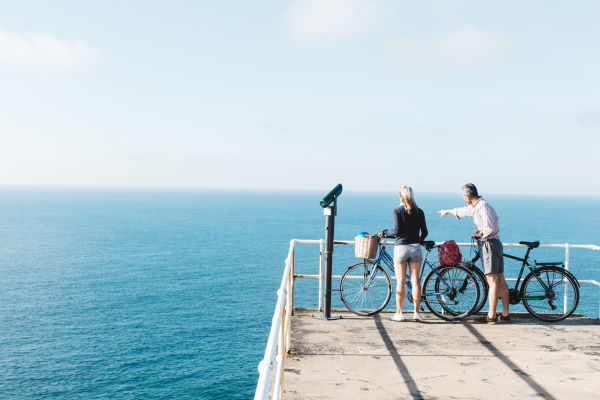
[[423, 227], [397, 226]]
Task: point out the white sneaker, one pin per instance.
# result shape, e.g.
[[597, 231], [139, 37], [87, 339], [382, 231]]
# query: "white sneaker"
[[417, 317], [397, 317]]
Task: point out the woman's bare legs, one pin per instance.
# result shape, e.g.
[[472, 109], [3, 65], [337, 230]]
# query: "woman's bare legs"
[[400, 270], [415, 269]]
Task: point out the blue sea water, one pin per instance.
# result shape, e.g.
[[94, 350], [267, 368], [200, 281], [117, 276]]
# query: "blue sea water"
[[129, 294]]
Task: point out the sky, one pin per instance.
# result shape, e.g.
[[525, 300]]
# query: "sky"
[[302, 94]]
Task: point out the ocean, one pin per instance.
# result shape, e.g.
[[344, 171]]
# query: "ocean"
[[154, 294]]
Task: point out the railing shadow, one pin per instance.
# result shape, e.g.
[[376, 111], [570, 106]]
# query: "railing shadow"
[[514, 367], [408, 380]]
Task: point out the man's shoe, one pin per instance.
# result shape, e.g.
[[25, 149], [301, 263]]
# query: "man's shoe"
[[484, 319], [502, 318]]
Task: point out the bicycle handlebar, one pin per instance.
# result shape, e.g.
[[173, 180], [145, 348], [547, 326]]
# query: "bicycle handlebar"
[[428, 244]]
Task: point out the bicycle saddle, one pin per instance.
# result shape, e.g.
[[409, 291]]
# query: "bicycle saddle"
[[531, 245], [429, 244]]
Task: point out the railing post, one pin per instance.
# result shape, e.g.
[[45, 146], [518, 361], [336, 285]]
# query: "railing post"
[[282, 351], [292, 280], [291, 284], [321, 275], [567, 268]]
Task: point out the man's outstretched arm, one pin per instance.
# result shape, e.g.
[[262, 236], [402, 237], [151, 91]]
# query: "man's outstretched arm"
[[443, 213], [458, 212]]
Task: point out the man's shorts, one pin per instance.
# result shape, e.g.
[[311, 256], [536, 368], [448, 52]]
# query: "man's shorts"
[[491, 256], [404, 253]]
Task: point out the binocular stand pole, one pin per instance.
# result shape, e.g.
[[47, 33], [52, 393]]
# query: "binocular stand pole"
[[329, 213]]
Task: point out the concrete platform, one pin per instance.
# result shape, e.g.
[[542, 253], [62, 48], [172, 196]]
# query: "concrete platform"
[[375, 358]]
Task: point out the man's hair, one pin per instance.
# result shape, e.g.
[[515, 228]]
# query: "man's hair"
[[470, 190]]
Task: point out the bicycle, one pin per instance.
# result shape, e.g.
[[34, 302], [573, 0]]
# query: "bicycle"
[[541, 289], [479, 275], [449, 292]]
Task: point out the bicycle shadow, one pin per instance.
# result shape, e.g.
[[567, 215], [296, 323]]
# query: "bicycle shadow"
[[389, 344]]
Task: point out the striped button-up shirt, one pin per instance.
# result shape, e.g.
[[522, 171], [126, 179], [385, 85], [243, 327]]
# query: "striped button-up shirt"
[[484, 218]]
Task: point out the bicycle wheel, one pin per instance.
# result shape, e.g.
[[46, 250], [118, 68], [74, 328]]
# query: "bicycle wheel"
[[480, 281], [365, 288], [555, 303], [451, 292], [483, 288]]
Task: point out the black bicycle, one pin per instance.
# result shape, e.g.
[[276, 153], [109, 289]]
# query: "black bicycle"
[[479, 275], [549, 292]]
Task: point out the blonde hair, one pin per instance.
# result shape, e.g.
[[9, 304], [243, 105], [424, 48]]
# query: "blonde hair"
[[408, 199]]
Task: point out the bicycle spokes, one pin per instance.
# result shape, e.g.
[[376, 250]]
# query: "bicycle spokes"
[[550, 294], [450, 292], [365, 288]]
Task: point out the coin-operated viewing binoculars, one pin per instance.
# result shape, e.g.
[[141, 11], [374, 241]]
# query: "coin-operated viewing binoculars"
[[329, 210]]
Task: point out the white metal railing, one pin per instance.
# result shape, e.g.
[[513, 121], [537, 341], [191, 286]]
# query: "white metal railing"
[[270, 380], [269, 386]]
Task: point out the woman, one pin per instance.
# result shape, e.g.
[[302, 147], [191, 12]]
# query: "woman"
[[409, 230]]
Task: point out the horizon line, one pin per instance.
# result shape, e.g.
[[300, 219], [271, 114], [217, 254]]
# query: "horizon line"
[[261, 189]]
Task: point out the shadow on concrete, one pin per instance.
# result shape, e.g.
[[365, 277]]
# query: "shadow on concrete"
[[408, 380], [518, 372], [296, 352], [521, 318]]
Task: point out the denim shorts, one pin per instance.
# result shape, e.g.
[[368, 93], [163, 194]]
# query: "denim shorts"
[[408, 253]]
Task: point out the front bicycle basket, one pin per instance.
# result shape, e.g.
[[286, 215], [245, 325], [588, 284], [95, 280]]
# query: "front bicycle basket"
[[366, 247]]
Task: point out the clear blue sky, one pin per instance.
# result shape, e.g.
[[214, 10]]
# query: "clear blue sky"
[[302, 94]]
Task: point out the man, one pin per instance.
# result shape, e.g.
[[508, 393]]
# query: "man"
[[490, 248]]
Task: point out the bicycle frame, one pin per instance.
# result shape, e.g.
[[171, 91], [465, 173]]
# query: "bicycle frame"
[[532, 268], [384, 256], [524, 262]]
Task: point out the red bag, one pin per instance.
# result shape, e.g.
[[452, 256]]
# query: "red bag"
[[449, 253]]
